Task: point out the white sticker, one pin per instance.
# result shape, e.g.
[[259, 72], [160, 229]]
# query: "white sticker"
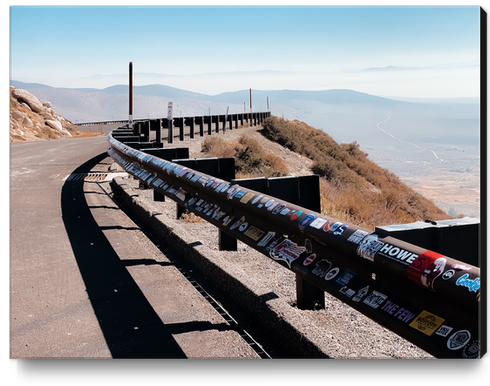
[[444, 330], [268, 237], [318, 223], [375, 299], [368, 247]]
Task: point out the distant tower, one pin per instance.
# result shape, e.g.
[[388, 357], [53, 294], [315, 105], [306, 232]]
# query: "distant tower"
[[130, 118]]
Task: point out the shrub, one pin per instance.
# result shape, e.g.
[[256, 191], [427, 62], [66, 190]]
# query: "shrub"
[[251, 160], [217, 147]]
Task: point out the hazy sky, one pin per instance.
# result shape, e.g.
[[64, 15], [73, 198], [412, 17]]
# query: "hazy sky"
[[56, 45]]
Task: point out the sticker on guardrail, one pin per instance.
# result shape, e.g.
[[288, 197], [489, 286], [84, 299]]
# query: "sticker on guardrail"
[[322, 267], [471, 351], [306, 221], [267, 238], [375, 299], [254, 233], [426, 268], [427, 323], [473, 285], [458, 340], [368, 247], [286, 251]]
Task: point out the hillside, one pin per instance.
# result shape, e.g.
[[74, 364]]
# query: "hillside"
[[34, 120], [353, 188]]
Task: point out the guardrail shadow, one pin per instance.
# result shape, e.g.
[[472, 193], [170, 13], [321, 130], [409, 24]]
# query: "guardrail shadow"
[[131, 327]]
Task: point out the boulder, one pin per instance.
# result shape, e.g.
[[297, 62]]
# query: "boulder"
[[27, 122], [24, 96], [57, 126], [19, 116], [47, 104], [26, 106]]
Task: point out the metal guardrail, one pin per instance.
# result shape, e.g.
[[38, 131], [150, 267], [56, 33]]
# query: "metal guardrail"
[[209, 120], [429, 299], [121, 122]]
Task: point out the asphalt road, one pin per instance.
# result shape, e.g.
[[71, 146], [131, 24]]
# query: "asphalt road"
[[85, 282]]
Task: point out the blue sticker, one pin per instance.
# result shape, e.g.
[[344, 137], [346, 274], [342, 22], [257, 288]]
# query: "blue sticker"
[[307, 220]]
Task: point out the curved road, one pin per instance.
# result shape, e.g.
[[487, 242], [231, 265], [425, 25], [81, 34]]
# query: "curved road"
[[85, 282]]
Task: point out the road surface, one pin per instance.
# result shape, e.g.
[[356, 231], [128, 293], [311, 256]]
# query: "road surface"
[[85, 282]]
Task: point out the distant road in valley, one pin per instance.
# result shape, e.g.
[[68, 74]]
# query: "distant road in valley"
[[401, 140]]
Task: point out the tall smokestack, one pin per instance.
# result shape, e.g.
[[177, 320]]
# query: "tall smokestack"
[[130, 95], [251, 124]]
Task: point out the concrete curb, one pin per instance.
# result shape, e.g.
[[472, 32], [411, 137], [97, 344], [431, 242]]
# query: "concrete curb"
[[268, 314]]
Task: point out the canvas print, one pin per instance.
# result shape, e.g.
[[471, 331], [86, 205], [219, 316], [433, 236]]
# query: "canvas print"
[[246, 182]]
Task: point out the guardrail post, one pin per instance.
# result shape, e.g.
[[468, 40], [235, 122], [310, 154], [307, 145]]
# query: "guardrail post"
[[170, 131], [167, 154], [145, 131], [222, 168], [156, 126], [308, 296], [209, 121], [201, 126], [137, 129], [303, 191], [190, 121], [157, 196], [217, 123], [181, 128]]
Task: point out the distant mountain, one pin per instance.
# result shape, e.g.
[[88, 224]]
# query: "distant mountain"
[[25, 86], [336, 97], [111, 102], [347, 115]]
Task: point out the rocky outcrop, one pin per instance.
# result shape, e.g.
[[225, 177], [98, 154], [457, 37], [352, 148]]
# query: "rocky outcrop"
[[34, 120], [24, 96]]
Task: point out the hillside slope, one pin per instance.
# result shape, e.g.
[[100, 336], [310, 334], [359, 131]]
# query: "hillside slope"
[[353, 188]]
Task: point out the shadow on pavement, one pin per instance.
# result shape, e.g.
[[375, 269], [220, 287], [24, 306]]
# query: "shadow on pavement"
[[130, 325]]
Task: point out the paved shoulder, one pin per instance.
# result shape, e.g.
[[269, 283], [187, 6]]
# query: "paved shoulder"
[[85, 281]]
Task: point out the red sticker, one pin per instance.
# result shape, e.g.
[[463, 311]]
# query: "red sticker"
[[309, 259], [426, 268]]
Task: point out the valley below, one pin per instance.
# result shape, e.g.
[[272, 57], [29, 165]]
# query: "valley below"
[[449, 173]]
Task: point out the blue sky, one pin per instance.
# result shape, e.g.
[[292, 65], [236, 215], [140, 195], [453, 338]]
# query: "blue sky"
[[65, 46]]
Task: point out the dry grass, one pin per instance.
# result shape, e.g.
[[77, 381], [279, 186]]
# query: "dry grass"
[[191, 218], [218, 147], [251, 159]]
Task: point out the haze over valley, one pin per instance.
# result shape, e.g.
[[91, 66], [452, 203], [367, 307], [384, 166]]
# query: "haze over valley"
[[433, 145]]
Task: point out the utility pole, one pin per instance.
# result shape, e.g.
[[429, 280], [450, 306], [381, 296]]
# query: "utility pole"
[[130, 118]]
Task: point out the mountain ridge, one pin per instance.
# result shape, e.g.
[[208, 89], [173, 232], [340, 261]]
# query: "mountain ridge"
[[156, 90]]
